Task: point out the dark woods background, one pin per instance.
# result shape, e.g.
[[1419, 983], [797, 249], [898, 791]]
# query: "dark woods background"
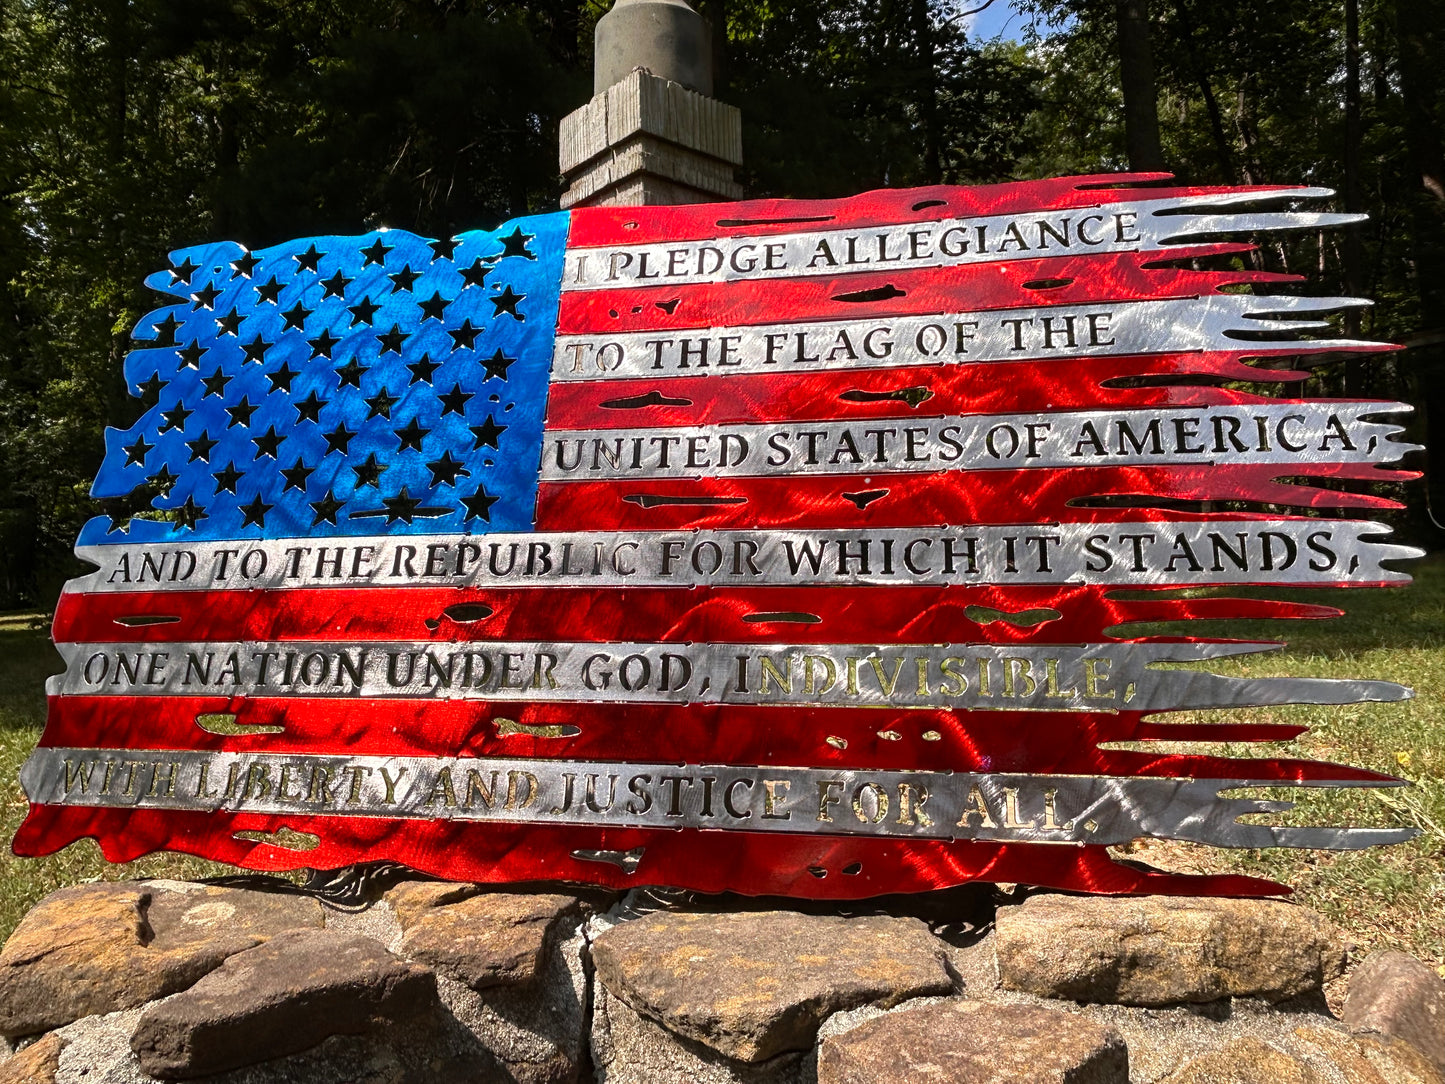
[[131, 127]]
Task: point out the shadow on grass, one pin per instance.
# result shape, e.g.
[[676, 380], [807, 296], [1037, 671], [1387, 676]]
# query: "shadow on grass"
[[1409, 617], [27, 658]]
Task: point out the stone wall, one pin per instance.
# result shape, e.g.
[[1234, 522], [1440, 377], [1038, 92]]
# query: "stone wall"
[[161, 980]]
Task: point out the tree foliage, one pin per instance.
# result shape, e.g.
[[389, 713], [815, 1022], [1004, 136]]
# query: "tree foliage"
[[131, 127]]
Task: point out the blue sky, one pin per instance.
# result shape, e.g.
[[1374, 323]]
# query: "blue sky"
[[999, 19]]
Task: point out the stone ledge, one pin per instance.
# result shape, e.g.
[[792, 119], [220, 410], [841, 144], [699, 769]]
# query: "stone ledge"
[[976, 1043], [717, 998], [666, 174], [1164, 950], [1311, 1055], [755, 985], [38, 1063], [1396, 995], [288, 995], [643, 104], [105, 947], [498, 939]]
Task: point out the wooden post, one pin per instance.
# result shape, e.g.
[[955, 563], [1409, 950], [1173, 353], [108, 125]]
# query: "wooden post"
[[652, 133]]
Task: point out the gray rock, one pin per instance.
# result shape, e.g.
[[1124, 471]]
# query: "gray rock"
[[100, 948], [183, 912], [1247, 1061], [283, 997], [537, 1033], [628, 1048], [1312, 1055], [98, 1052], [755, 985], [413, 899], [36, 1064], [497, 939], [972, 1042], [1162, 950], [1367, 1059], [1397, 995], [532, 1034]]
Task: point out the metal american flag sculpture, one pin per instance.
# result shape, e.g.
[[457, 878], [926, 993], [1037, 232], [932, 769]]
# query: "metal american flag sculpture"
[[778, 546]]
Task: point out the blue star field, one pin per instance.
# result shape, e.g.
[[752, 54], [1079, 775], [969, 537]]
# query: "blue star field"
[[332, 386]]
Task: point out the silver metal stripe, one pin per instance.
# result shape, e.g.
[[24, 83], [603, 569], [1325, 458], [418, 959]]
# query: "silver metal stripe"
[[962, 676], [1287, 433], [917, 805], [1125, 226], [1174, 553], [1173, 325]]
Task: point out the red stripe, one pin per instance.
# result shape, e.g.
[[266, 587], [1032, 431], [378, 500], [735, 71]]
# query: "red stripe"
[[845, 614], [595, 226], [992, 387], [751, 864], [1107, 277], [1063, 743], [1020, 496]]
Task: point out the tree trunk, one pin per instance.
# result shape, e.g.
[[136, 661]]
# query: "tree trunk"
[[1357, 368], [1136, 76], [924, 57], [1222, 148], [1420, 89], [117, 59], [567, 32], [716, 14]]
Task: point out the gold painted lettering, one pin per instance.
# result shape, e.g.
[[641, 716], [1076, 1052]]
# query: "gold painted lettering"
[[486, 793], [910, 806], [1096, 671], [521, 789], [283, 792], [975, 806], [1011, 810], [1051, 671], [1050, 813], [203, 779], [879, 798], [772, 798], [1018, 677], [390, 784], [318, 786], [811, 687], [170, 777], [358, 776], [826, 798], [783, 678], [258, 782], [443, 789], [950, 667]]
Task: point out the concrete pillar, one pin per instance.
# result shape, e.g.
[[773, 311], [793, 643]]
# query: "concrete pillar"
[[652, 133], [664, 37]]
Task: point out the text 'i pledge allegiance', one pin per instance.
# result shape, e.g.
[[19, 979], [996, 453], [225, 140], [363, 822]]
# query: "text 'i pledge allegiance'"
[[1273, 433], [920, 244], [1149, 552]]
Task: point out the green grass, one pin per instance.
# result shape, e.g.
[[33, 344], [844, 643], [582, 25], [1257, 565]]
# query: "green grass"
[[26, 657], [1386, 896], [1393, 896]]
